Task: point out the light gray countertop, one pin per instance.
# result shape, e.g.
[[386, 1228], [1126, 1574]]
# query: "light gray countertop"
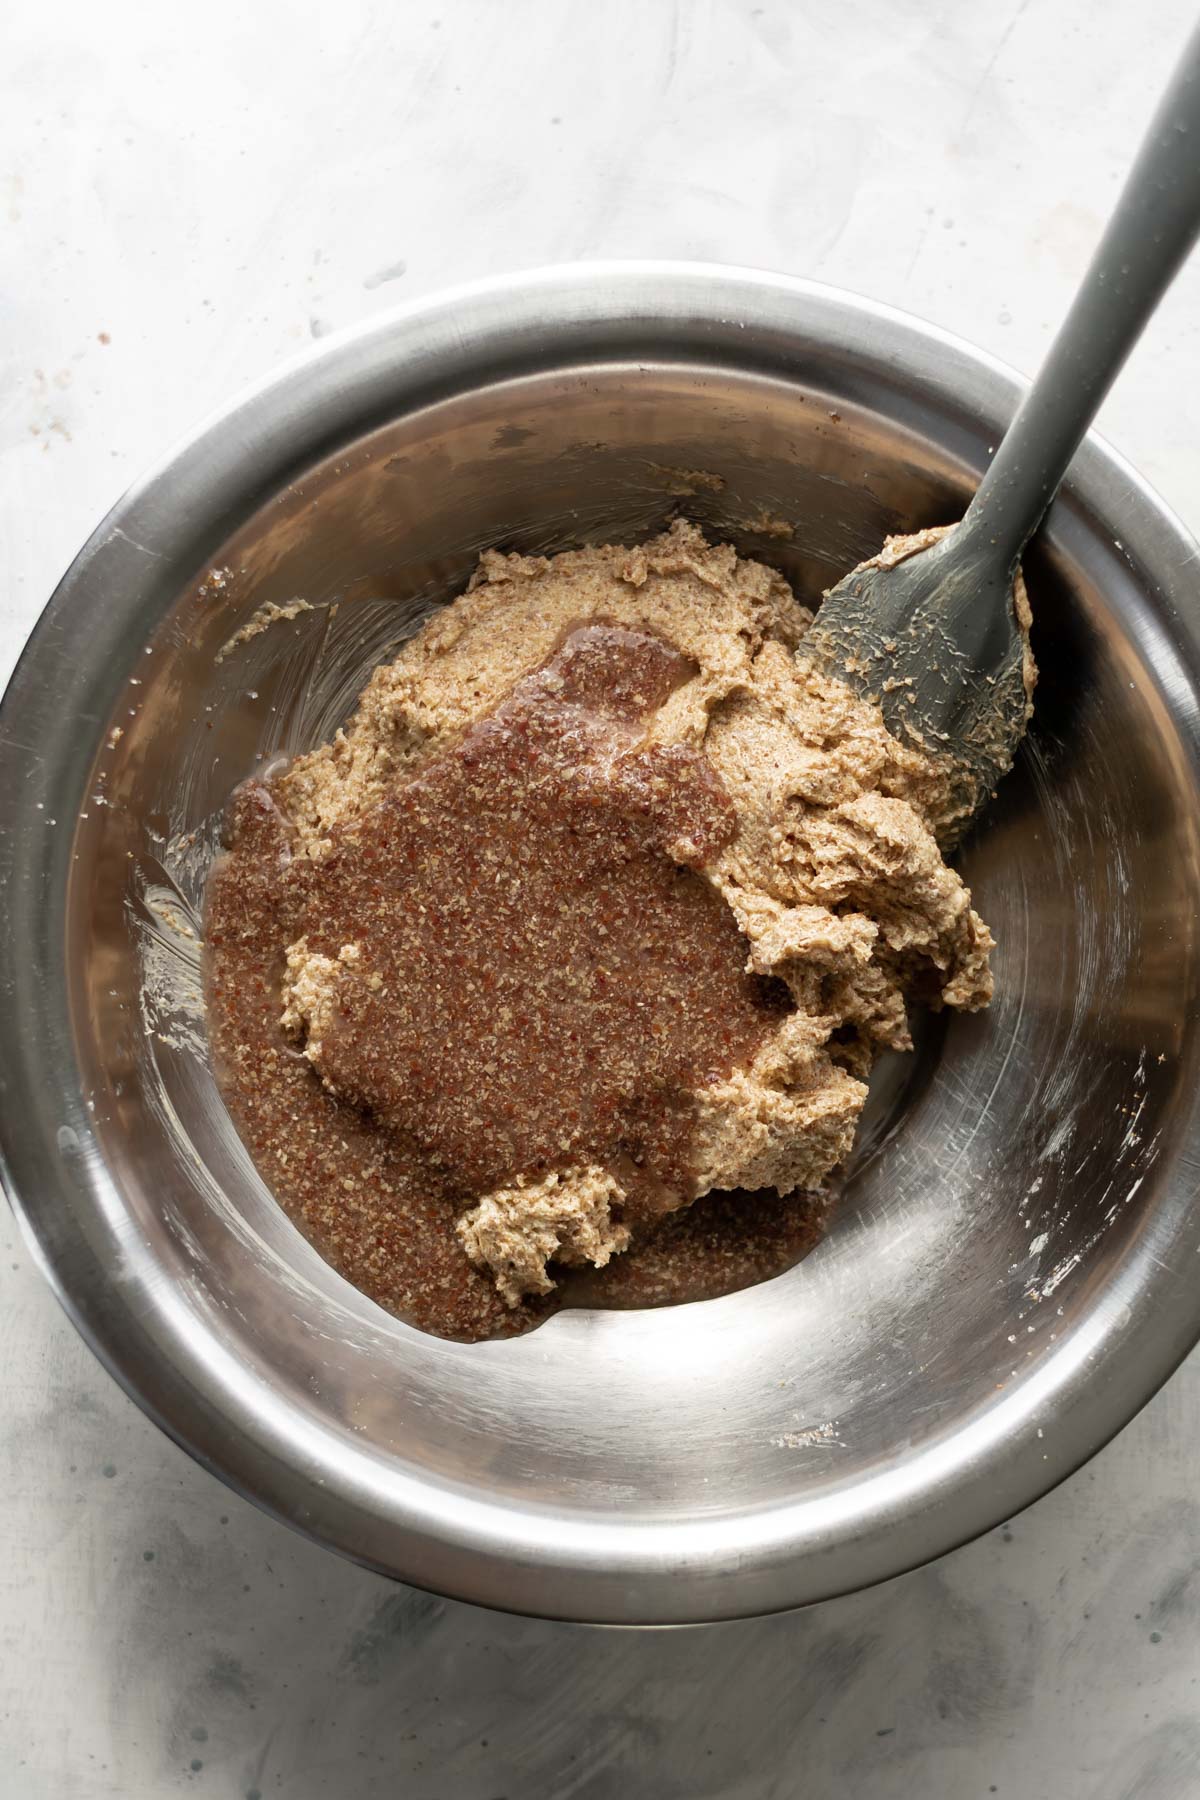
[[185, 203]]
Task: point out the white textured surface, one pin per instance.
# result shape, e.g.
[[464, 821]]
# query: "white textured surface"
[[207, 190]]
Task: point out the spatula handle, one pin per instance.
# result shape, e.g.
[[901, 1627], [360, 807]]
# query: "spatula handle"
[[1156, 222]]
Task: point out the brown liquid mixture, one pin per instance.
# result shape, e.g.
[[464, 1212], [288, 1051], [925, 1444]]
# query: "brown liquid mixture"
[[508, 966]]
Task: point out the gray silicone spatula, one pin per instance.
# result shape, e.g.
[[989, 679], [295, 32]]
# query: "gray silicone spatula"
[[935, 639]]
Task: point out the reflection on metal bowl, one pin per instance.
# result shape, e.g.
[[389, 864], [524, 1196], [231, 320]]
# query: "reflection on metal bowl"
[[1012, 1269]]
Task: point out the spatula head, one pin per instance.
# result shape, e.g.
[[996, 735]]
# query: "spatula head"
[[937, 634]]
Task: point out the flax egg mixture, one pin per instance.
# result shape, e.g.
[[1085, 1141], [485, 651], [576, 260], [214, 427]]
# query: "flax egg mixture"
[[559, 973]]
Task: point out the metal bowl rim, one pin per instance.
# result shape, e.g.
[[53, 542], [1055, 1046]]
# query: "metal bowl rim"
[[513, 1556]]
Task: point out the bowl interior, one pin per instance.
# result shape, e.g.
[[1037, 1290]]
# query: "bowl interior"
[[1008, 1175]]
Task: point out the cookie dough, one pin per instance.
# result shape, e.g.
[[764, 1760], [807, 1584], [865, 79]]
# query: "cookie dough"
[[754, 820]]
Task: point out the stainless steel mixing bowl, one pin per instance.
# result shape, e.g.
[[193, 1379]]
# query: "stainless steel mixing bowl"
[[1013, 1269]]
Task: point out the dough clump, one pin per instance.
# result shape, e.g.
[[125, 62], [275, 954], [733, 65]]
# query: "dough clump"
[[833, 874], [566, 1217]]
